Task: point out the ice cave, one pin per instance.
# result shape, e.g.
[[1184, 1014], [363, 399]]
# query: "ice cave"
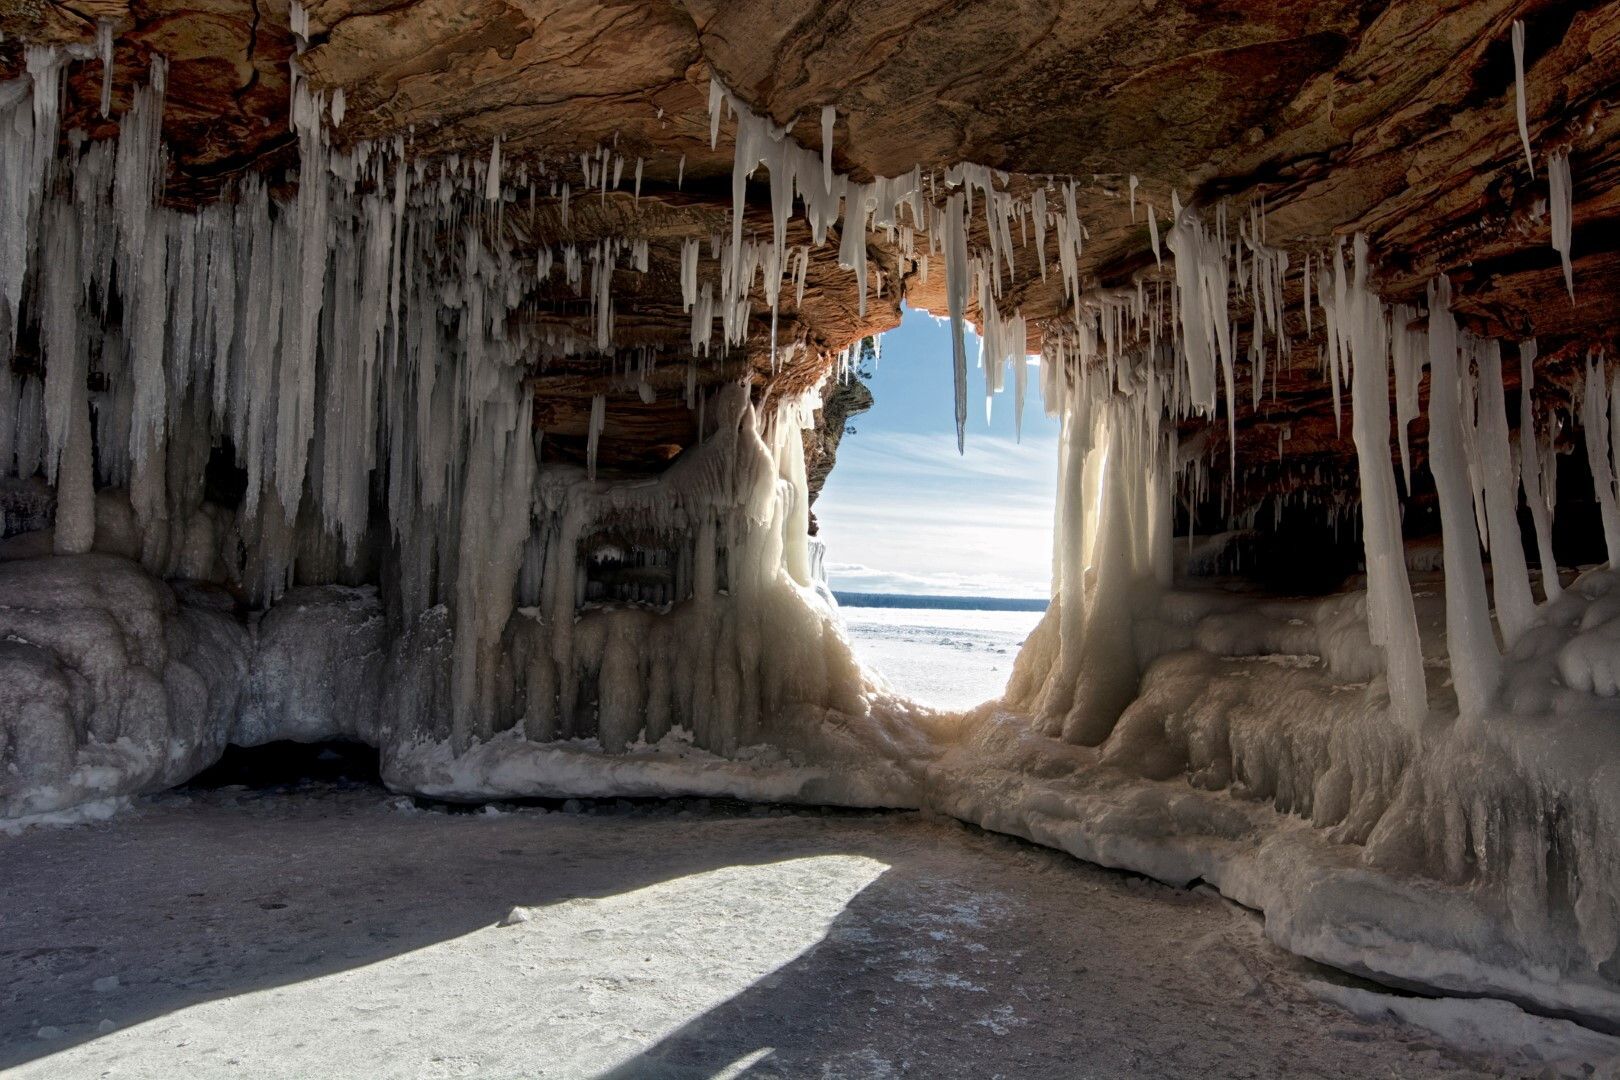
[[425, 406]]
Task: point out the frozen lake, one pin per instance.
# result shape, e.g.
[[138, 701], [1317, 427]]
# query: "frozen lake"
[[951, 659]]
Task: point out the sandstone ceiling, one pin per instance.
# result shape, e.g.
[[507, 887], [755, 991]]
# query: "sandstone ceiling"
[[1395, 119]]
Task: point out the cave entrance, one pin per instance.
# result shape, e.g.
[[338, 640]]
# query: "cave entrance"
[[283, 765], [941, 561]]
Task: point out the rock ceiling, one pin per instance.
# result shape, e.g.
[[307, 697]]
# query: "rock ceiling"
[[1395, 119]]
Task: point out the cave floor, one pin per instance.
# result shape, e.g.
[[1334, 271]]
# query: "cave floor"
[[335, 930]]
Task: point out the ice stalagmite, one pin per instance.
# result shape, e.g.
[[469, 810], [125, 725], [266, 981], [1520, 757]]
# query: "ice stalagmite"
[[1469, 639]]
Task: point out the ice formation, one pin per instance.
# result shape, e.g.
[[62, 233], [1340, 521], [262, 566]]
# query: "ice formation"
[[1519, 110], [357, 348], [1560, 200]]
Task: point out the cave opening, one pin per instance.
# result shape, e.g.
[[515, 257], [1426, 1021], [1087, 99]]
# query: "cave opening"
[[940, 561], [285, 765]]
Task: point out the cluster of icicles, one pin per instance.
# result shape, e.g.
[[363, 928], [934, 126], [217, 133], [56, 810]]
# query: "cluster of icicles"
[[351, 354], [362, 344]]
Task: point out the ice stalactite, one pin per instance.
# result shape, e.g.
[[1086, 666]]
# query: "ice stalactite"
[[1407, 349], [1560, 204], [1510, 580], [957, 275], [68, 461], [29, 109], [1469, 639], [497, 492], [1519, 109], [1596, 420], [104, 51], [1202, 283], [346, 334], [1391, 620], [1534, 461], [593, 438]]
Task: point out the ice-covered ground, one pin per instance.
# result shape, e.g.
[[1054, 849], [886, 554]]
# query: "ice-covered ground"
[[341, 931], [942, 658]]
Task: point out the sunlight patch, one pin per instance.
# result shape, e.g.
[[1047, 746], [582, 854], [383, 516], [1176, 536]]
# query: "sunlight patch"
[[578, 987]]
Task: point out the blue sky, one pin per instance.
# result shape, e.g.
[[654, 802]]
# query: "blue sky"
[[903, 513]]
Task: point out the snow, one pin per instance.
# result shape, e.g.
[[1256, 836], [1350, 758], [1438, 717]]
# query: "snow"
[[678, 939], [1499, 1029], [940, 658]]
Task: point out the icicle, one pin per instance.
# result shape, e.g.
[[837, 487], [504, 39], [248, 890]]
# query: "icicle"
[[1038, 212], [1510, 581], [829, 117], [104, 49], [1595, 421], [492, 176], [956, 289], [1472, 649], [716, 101], [1391, 620], [1407, 356], [1530, 472], [1560, 204], [1134, 183], [1518, 93], [594, 432]]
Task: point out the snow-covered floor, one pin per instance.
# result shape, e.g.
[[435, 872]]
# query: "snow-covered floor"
[[339, 931]]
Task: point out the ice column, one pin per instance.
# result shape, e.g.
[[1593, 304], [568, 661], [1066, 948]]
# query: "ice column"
[[1510, 578], [1390, 617], [1472, 647], [1531, 464]]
